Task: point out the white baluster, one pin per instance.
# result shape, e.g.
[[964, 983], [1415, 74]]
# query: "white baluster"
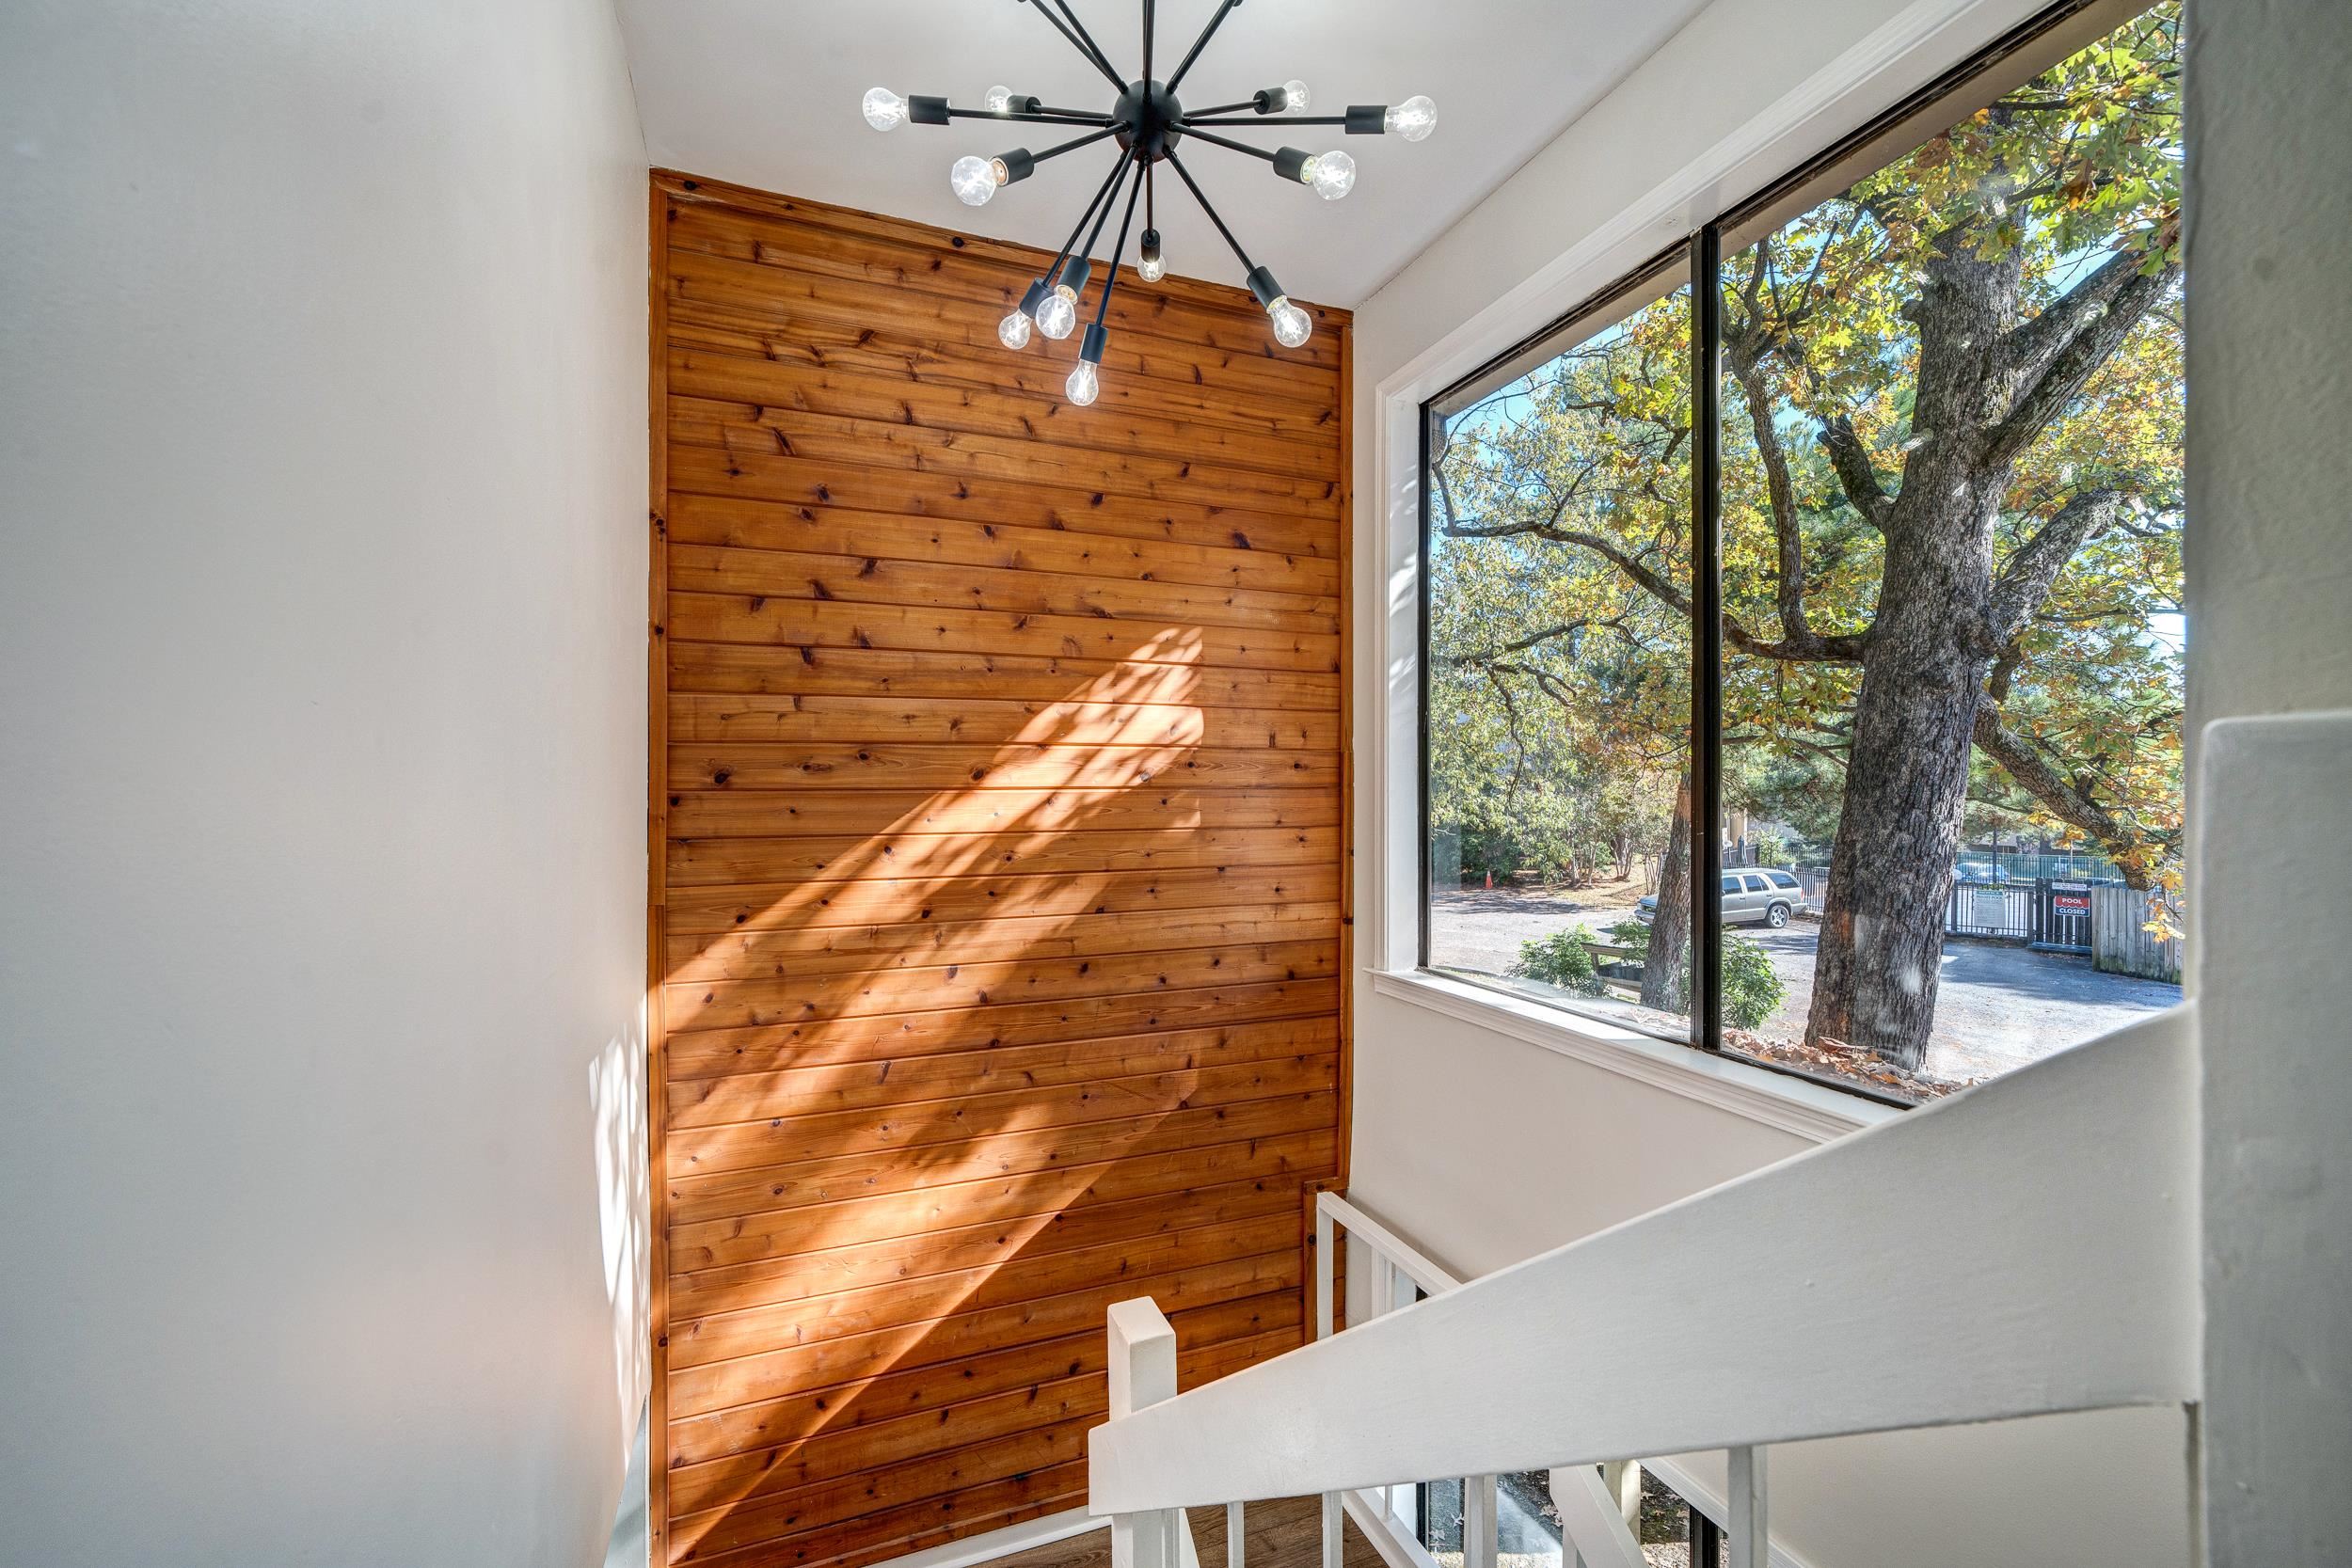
[[1325, 1269], [1233, 1544], [1749, 1542], [1481, 1522], [1142, 1374]]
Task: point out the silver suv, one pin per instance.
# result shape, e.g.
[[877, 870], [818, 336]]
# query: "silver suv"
[[1774, 898], [1770, 896]]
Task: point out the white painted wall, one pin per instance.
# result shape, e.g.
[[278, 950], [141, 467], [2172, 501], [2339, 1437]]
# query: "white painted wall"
[[1487, 1149], [2269, 210], [322, 488]]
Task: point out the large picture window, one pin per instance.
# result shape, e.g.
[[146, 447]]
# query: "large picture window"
[[1803, 618]]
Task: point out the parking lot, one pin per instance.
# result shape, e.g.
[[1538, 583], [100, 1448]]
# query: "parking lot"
[[1997, 1006]]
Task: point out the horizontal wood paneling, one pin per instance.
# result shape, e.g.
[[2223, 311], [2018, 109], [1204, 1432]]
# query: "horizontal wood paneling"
[[999, 827], [837, 530]]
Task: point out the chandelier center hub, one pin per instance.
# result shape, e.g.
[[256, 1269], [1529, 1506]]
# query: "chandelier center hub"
[[1152, 118]]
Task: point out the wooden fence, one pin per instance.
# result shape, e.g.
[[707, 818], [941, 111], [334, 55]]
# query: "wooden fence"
[[2120, 942]]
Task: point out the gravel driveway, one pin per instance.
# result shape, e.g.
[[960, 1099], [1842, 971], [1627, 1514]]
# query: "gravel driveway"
[[1997, 1006]]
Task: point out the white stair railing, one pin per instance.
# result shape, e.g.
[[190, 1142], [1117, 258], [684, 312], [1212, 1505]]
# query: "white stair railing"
[[2061, 1276]]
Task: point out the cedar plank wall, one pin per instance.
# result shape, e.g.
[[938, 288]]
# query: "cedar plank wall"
[[998, 892]]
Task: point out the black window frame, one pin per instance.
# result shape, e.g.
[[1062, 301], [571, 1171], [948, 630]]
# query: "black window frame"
[[1701, 254]]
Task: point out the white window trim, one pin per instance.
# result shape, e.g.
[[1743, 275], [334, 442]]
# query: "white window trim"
[[1813, 1111], [1907, 52]]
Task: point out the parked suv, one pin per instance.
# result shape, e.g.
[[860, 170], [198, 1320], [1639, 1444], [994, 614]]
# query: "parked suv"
[[1774, 898]]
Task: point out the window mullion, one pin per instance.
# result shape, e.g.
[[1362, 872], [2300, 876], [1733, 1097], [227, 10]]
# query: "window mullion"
[[1707, 664]]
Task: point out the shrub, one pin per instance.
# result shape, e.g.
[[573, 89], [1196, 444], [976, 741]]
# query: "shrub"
[[1563, 959], [1750, 990]]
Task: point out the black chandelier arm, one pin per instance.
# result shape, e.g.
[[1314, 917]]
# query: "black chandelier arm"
[[1063, 254], [1249, 104], [1150, 19], [1092, 59], [1086, 39], [1111, 280], [1043, 117], [1185, 175], [1076, 142], [1192, 130], [1223, 10], [1103, 216], [1271, 122]]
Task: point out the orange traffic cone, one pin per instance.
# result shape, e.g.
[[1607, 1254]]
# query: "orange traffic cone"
[[1490, 882]]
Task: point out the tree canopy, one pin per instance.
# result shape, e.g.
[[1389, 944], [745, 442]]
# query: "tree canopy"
[[1951, 462]]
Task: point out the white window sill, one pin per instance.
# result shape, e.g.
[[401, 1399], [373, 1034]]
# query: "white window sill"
[[1811, 1111]]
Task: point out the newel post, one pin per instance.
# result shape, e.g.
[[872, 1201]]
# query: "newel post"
[[1143, 1374]]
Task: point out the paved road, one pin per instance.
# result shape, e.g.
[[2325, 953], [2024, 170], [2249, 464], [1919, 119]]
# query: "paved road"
[[1997, 1006]]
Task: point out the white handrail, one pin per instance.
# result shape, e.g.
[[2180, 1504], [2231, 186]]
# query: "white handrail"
[[1431, 1277], [2061, 1276]]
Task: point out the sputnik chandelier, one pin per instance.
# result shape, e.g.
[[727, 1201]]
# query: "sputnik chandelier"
[[1148, 121]]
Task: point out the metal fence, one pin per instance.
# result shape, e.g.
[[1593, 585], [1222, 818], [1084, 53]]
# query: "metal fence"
[[2052, 914], [2002, 910]]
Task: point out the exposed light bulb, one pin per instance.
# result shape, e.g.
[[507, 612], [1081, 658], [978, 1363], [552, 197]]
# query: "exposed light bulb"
[[1413, 120], [1332, 175], [1152, 266], [1294, 95], [1085, 386], [1013, 331], [976, 178], [884, 110], [1291, 325], [1058, 315], [1000, 99]]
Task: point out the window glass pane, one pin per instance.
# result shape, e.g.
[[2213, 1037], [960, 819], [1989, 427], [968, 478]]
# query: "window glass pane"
[[1558, 722], [1952, 509], [1663, 1528], [1440, 1503], [1527, 1524]]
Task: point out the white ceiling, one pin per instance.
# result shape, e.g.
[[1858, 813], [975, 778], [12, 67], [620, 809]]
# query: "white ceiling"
[[765, 93]]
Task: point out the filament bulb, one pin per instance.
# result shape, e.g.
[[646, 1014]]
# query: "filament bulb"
[[1000, 99], [974, 179], [1057, 315], [1085, 386], [1294, 95], [1291, 325], [1331, 174], [1013, 331], [1413, 120], [884, 110]]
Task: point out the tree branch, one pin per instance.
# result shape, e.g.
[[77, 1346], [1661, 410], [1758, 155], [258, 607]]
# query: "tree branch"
[[1787, 541], [1836, 649], [1851, 460], [2050, 374], [1491, 655], [2132, 854], [2028, 348], [2034, 566]]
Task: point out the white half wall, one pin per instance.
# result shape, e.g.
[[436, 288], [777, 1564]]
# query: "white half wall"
[[1487, 1149], [2269, 212], [322, 740]]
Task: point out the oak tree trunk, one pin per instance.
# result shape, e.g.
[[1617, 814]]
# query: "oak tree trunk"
[[1898, 830], [1670, 928]]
